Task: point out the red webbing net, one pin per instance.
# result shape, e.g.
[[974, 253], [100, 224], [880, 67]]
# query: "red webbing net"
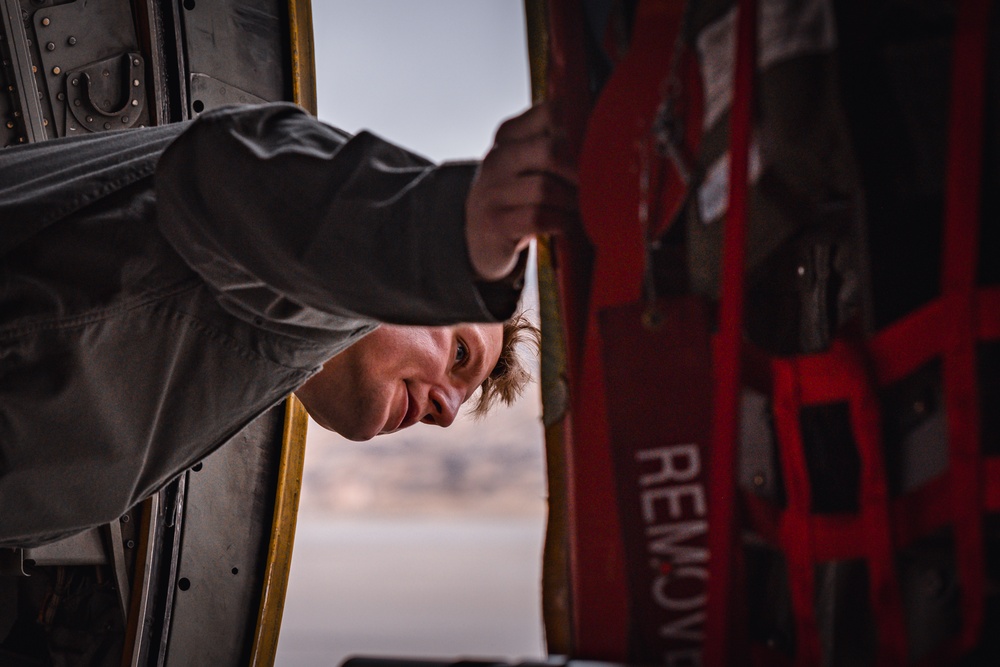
[[850, 372]]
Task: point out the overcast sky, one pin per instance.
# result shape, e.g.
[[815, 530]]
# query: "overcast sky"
[[436, 77]]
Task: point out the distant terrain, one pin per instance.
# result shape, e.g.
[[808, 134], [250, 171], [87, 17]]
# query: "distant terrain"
[[494, 466]]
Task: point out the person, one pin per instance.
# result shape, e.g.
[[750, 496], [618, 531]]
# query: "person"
[[397, 376], [162, 287]]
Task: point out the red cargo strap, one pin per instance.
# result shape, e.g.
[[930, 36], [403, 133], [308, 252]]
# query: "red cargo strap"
[[724, 556], [624, 518], [962, 203]]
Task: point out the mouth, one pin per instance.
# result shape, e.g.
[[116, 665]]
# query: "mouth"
[[410, 414]]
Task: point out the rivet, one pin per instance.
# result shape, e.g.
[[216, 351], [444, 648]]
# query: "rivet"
[[51, 46], [75, 82], [130, 544], [758, 480], [106, 73], [71, 41], [135, 103], [34, 69], [10, 88], [46, 21], [20, 140], [125, 518], [107, 126], [90, 119], [135, 82], [17, 114], [77, 103], [10, 125], [57, 70], [135, 61], [45, 122], [60, 96], [124, 119], [801, 270]]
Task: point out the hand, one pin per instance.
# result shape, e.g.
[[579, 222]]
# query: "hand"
[[525, 186]]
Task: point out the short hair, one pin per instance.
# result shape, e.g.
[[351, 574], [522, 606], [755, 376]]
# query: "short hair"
[[509, 377]]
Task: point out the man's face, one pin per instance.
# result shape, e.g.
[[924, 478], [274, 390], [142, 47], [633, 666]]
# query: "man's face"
[[399, 375]]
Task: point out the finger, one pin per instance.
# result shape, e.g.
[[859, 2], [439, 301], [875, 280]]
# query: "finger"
[[538, 120], [538, 154], [524, 222], [534, 190]]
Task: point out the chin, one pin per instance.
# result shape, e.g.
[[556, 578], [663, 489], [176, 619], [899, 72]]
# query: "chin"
[[358, 438], [357, 426], [357, 431]]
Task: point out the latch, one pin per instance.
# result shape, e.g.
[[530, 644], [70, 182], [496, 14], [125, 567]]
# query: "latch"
[[108, 94]]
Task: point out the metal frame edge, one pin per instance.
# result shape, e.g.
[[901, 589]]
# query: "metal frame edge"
[[556, 604], [303, 54], [279, 553]]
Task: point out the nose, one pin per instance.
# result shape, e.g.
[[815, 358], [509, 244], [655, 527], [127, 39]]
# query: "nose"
[[444, 405]]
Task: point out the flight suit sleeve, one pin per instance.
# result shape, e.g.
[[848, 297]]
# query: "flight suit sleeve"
[[346, 225]]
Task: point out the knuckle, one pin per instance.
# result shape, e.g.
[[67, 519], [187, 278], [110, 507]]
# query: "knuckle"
[[506, 128], [539, 190], [551, 150], [491, 158], [544, 153]]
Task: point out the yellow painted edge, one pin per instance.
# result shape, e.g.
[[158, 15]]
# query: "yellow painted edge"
[[135, 620], [279, 552], [556, 591], [536, 23], [303, 54], [556, 586]]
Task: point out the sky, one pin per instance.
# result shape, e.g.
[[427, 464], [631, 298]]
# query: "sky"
[[434, 76]]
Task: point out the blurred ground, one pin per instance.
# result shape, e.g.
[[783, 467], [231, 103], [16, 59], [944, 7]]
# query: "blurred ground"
[[490, 467], [413, 587]]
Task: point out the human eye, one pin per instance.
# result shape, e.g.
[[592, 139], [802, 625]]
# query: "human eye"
[[461, 353]]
